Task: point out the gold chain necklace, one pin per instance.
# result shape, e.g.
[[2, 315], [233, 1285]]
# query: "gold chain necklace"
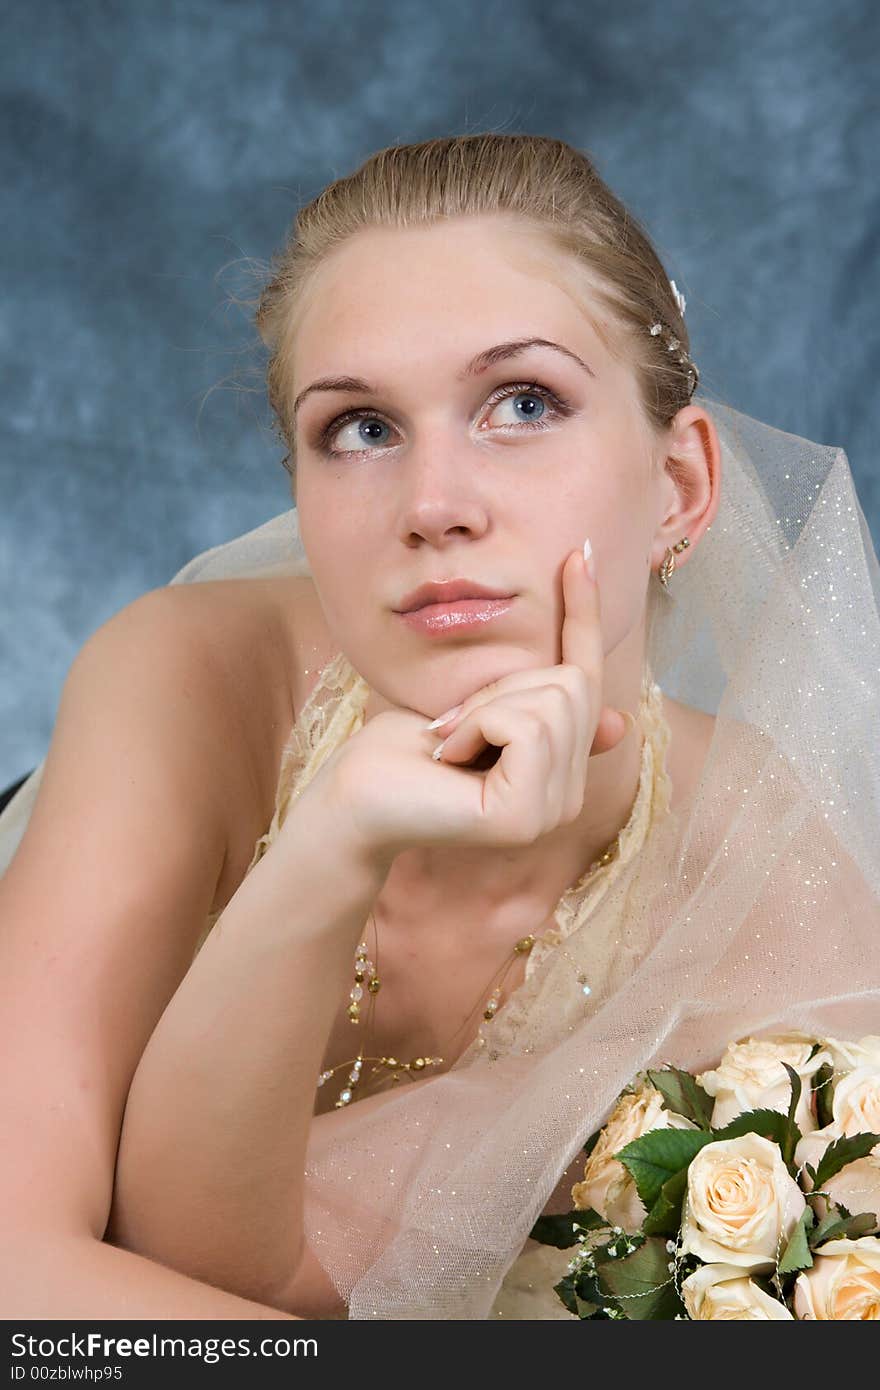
[[366, 975]]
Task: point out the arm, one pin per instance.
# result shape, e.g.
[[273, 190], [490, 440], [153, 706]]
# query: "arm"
[[100, 912], [209, 1176], [78, 1277]]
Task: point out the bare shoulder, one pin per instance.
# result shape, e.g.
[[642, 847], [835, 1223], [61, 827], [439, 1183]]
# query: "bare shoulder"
[[159, 777], [262, 639]]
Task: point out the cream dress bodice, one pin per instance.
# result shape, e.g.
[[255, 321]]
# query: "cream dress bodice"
[[332, 713]]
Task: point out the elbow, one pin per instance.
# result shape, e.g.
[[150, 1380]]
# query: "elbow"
[[236, 1268]]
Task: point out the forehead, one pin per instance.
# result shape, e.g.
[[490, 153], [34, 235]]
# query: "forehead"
[[443, 292]]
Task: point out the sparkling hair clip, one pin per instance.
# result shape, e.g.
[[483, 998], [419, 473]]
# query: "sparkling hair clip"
[[673, 344]]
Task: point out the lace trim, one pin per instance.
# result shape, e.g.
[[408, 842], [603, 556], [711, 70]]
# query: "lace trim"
[[332, 713]]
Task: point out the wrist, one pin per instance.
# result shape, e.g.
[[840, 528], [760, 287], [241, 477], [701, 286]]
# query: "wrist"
[[321, 838]]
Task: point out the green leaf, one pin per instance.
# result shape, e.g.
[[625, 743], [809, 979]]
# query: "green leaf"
[[836, 1226], [832, 1218], [584, 1308], [796, 1254], [658, 1156], [561, 1229], [770, 1124], [664, 1218], [565, 1290], [642, 1282], [824, 1096], [681, 1093], [791, 1142], [580, 1293], [795, 1090], [842, 1152]]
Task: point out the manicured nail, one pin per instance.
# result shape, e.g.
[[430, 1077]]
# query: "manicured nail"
[[628, 719], [438, 750], [589, 562], [442, 719]]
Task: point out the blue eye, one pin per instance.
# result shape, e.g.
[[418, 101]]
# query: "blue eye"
[[370, 425], [369, 429], [529, 398]]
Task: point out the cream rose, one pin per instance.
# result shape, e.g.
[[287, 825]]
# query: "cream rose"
[[750, 1076], [724, 1292], [856, 1186], [855, 1108], [843, 1282], [846, 1056], [742, 1204], [607, 1187]]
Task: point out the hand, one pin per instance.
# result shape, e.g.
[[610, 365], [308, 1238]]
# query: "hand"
[[390, 794]]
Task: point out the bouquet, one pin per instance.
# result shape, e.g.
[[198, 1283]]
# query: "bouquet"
[[749, 1191]]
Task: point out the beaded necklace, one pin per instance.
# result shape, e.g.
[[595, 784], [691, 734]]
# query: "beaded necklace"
[[366, 976]]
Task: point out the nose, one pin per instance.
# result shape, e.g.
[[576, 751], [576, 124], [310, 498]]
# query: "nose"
[[440, 499]]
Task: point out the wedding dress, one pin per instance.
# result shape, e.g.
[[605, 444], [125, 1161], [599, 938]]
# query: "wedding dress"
[[753, 906], [334, 712]]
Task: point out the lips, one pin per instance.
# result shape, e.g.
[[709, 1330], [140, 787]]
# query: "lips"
[[436, 620], [448, 591]]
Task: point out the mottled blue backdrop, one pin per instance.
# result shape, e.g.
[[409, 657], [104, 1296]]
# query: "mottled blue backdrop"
[[145, 147]]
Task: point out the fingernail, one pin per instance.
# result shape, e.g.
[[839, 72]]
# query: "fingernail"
[[438, 750], [628, 719], [589, 562], [442, 718]]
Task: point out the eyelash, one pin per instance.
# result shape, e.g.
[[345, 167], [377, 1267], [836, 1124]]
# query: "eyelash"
[[560, 408]]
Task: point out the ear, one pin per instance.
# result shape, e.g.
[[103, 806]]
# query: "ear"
[[689, 485]]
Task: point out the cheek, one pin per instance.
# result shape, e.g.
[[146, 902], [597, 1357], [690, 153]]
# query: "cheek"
[[623, 580], [332, 545]]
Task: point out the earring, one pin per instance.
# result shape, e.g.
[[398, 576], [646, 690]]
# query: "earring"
[[668, 566]]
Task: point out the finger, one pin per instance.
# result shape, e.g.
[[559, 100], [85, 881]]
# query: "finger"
[[470, 742], [517, 793], [581, 618], [582, 646], [550, 707], [613, 726], [531, 678]]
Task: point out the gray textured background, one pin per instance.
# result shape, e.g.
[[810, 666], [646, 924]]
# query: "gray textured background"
[[145, 147]]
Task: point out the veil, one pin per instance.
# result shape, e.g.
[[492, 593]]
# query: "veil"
[[752, 907]]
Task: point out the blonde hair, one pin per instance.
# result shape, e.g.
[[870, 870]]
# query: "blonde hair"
[[547, 185]]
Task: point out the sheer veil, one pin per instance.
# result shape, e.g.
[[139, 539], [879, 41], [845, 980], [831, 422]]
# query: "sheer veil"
[[754, 906]]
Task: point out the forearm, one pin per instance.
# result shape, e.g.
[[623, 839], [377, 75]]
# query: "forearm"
[[209, 1175], [78, 1278]]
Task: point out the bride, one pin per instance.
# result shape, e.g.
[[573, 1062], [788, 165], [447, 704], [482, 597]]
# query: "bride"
[[337, 990]]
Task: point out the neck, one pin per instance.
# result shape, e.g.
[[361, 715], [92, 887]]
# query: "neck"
[[506, 893]]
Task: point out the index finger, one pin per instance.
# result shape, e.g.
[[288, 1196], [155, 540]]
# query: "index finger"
[[581, 627]]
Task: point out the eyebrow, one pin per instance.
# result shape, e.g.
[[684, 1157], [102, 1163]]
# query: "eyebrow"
[[483, 360]]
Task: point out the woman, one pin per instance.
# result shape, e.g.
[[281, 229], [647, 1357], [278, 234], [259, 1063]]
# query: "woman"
[[417, 983]]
